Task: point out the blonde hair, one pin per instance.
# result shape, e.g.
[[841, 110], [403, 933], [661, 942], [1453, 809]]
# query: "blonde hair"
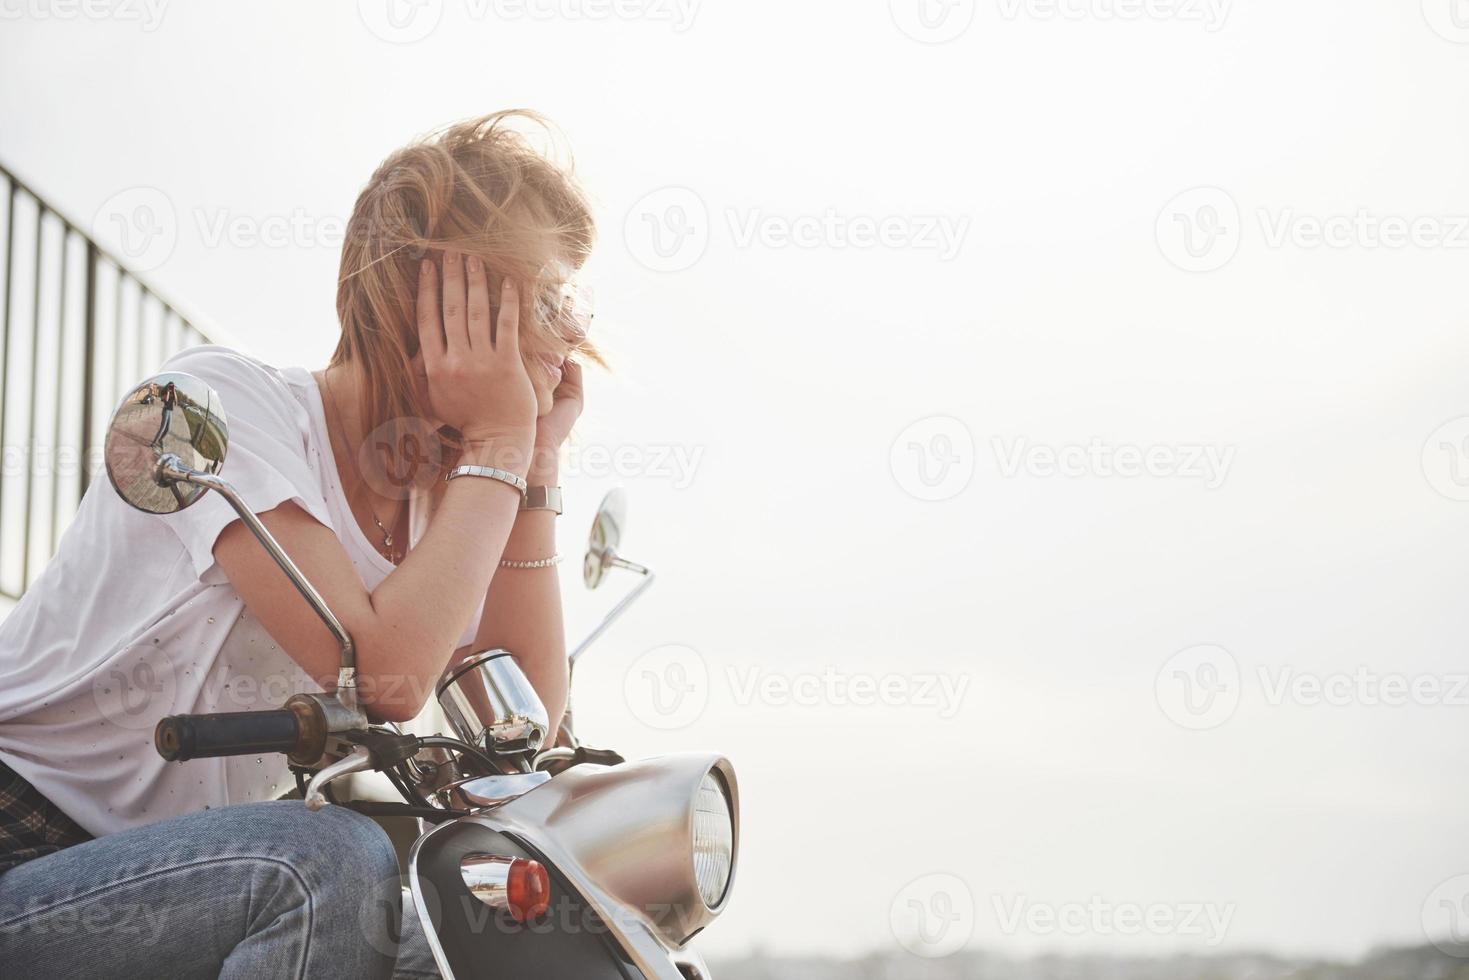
[[477, 187]]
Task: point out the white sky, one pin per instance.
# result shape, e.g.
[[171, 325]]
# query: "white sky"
[[1053, 143]]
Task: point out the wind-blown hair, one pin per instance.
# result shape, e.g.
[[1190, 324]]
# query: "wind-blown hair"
[[479, 187]]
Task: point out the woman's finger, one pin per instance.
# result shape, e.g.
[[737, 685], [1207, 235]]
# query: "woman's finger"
[[477, 304], [570, 386], [506, 337], [456, 333], [430, 326]]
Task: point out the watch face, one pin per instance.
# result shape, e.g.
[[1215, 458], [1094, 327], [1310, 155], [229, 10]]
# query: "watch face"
[[542, 498]]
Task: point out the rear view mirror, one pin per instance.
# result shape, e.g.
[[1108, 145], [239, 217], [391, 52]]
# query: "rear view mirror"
[[170, 414]]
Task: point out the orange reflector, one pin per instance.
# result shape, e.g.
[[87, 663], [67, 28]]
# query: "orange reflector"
[[528, 890]]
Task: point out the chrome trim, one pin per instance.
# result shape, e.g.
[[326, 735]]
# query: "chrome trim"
[[490, 704], [558, 754], [486, 791], [713, 867], [359, 760], [441, 960], [616, 611], [602, 555], [487, 876]]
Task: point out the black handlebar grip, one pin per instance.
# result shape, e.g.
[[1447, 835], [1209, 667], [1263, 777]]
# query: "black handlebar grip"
[[179, 738]]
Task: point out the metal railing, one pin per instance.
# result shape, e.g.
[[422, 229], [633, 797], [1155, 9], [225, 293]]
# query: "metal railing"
[[77, 331]]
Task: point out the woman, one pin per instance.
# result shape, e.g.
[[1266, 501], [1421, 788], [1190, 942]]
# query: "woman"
[[457, 327]]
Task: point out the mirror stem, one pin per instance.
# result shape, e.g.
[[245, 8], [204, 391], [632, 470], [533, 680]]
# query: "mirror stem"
[[612, 616], [618, 562], [171, 469], [617, 610]]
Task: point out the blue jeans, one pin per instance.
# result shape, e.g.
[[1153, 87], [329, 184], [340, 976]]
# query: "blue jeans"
[[256, 890]]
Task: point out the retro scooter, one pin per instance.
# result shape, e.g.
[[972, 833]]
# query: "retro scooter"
[[534, 860]]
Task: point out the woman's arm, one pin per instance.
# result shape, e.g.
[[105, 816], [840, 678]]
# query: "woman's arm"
[[523, 608], [406, 629], [523, 611]]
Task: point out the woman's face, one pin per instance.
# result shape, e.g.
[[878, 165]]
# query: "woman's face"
[[562, 317]]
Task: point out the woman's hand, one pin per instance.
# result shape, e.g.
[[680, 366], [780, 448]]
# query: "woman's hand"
[[553, 427], [476, 380]]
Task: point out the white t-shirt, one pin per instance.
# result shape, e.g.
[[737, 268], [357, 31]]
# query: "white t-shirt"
[[133, 620]]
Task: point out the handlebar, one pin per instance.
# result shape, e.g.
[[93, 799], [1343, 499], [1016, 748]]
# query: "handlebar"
[[302, 730], [183, 737], [296, 730]]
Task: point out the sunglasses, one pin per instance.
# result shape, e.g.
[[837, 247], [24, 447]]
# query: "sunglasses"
[[564, 310]]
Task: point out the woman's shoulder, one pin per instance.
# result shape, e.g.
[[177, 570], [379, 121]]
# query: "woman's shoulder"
[[214, 361], [246, 386]]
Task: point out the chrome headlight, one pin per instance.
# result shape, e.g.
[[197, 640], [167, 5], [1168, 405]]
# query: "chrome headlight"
[[658, 837], [713, 839]]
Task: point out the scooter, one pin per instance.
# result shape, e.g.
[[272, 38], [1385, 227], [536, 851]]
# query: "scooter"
[[533, 860]]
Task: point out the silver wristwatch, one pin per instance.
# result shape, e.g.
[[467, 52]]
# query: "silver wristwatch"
[[542, 498]]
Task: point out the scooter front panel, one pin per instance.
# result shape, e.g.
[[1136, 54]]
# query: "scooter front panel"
[[473, 941]]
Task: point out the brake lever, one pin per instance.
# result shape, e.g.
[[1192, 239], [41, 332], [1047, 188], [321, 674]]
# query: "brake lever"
[[358, 760]]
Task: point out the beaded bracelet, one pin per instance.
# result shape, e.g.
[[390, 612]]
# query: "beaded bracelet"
[[537, 563]]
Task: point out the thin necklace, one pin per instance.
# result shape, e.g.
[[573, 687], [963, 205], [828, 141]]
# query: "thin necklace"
[[387, 545]]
